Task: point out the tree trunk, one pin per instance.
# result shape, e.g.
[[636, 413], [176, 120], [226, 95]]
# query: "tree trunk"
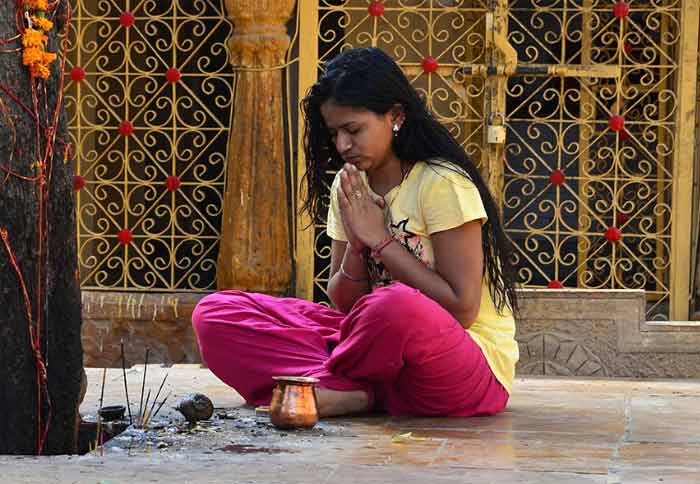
[[58, 306]]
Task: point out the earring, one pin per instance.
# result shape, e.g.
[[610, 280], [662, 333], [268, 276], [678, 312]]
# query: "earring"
[[395, 129]]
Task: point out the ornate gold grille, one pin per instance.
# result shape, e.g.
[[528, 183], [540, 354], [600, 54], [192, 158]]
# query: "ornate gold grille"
[[149, 97], [585, 204], [615, 184]]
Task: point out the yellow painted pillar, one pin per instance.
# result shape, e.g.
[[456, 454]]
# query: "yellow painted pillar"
[[255, 249], [682, 195], [305, 231]]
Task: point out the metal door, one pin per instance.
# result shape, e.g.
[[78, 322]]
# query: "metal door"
[[594, 98]]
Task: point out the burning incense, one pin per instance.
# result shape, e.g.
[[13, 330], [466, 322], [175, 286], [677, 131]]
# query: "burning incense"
[[98, 437], [145, 409], [143, 384], [126, 389], [155, 399], [159, 406]]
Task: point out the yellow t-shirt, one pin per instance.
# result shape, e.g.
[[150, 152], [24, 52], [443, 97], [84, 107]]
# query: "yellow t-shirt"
[[432, 198]]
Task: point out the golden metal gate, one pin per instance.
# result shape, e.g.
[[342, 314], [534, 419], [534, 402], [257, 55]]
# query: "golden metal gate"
[[580, 113], [149, 95]]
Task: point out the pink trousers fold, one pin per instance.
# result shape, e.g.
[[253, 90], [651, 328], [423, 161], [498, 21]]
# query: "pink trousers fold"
[[408, 353]]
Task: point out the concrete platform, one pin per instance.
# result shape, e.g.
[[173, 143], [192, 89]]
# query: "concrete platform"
[[555, 430]]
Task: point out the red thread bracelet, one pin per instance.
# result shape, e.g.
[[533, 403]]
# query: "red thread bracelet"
[[377, 249]]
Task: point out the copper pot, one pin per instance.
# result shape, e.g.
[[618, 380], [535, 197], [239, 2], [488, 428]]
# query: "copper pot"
[[294, 402]]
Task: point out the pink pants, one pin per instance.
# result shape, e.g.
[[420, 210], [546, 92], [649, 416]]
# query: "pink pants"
[[409, 354]]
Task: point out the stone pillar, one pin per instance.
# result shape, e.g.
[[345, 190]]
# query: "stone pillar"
[[255, 251]]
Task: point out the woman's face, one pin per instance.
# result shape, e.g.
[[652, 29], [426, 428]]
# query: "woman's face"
[[361, 137]]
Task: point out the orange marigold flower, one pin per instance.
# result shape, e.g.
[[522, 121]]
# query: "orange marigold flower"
[[39, 70], [33, 38], [31, 55], [42, 23], [47, 57], [38, 4]]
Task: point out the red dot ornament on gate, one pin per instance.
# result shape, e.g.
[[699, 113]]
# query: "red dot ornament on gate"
[[172, 75], [430, 65], [126, 19], [616, 122], [78, 183], [554, 284], [126, 128], [613, 235], [621, 9], [77, 74], [173, 183], [376, 9], [557, 178], [125, 236]]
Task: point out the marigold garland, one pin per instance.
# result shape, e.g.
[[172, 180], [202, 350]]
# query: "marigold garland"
[[39, 70], [34, 40], [38, 4], [42, 23]]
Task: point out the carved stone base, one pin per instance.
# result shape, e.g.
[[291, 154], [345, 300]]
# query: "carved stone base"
[[560, 332], [603, 333]]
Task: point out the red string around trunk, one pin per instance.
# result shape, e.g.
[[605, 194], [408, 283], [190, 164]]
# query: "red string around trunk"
[[43, 161]]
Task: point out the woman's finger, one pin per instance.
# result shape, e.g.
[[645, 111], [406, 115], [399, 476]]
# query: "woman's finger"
[[358, 185], [345, 183], [353, 177], [343, 201], [362, 184], [345, 215]]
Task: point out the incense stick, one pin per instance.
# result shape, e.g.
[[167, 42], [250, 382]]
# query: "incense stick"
[[99, 411], [155, 399], [126, 389], [161, 404], [145, 408], [102, 391], [143, 385]]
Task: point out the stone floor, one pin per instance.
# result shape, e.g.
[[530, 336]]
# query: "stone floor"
[[554, 431]]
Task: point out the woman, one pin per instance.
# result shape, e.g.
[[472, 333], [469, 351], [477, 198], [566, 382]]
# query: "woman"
[[420, 275]]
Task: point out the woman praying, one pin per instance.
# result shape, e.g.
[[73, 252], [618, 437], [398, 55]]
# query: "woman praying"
[[420, 279]]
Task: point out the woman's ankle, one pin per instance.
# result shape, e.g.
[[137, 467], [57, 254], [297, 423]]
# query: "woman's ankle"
[[333, 403]]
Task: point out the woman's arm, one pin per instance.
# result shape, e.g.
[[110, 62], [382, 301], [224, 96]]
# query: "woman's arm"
[[455, 283], [345, 289]]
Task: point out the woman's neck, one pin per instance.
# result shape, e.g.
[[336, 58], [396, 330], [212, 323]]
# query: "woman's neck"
[[386, 176]]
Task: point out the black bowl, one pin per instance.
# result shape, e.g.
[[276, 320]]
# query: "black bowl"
[[112, 412]]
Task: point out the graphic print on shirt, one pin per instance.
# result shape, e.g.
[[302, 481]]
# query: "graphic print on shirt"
[[412, 242]]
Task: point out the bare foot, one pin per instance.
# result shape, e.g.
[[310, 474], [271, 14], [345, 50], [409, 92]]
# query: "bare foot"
[[333, 402]]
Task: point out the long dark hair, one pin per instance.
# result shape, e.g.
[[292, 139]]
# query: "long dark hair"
[[368, 78]]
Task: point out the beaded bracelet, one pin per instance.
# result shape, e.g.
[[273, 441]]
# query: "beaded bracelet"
[[348, 276], [377, 249]]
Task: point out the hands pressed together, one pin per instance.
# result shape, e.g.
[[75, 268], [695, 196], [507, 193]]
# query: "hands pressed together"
[[361, 211]]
